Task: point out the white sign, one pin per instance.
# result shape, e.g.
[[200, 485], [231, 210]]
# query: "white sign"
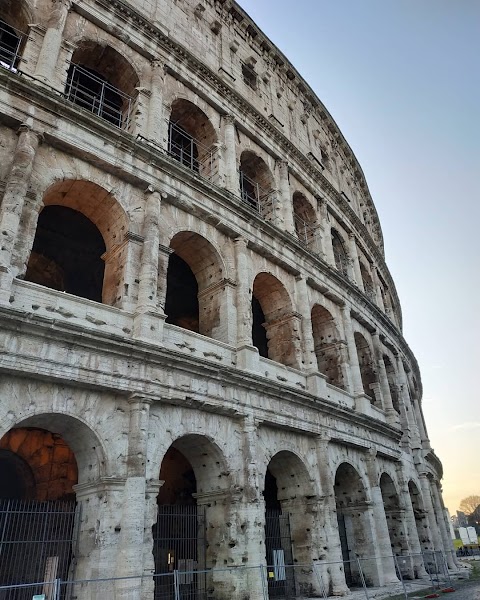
[[472, 535], [462, 531], [39, 597]]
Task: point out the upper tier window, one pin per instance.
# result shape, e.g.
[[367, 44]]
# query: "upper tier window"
[[10, 42]]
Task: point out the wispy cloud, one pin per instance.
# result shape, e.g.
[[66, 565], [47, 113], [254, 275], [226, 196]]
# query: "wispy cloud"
[[468, 425]]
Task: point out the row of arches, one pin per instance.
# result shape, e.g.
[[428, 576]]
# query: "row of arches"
[[39, 475], [74, 250]]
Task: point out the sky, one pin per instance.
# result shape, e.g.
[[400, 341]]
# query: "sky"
[[402, 80]]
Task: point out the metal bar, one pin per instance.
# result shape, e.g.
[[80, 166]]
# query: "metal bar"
[[362, 578], [400, 575]]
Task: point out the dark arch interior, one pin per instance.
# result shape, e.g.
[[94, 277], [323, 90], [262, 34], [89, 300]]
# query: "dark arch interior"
[[180, 483], [67, 253], [259, 333], [270, 492], [181, 303], [16, 477], [10, 42]]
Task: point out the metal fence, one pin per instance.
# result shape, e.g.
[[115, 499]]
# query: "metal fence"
[[393, 575], [191, 153], [10, 42], [253, 195]]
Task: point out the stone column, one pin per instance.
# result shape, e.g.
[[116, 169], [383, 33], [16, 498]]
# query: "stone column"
[[390, 413], [444, 532], [157, 126], [383, 542], [303, 305], [247, 354], [326, 232], [232, 183], [50, 50], [357, 274], [164, 253], [146, 324], [286, 198], [378, 290], [428, 505], [326, 526], [355, 375], [413, 432], [129, 561], [12, 203]]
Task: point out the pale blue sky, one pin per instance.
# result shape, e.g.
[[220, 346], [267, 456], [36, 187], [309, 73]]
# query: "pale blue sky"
[[402, 80]]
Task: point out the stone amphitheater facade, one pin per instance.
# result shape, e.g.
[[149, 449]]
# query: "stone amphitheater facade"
[[195, 307]]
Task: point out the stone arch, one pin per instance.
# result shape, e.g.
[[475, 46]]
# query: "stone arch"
[[355, 527], [256, 184], [366, 364], [421, 520], [274, 331], [196, 493], [192, 139], [328, 347], [15, 16], [290, 501], [305, 220], [195, 297], [84, 260], [101, 80], [340, 254], [392, 382], [367, 281], [393, 514]]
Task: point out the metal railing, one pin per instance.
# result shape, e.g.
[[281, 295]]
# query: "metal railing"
[[87, 90], [191, 153], [10, 42], [253, 195], [306, 232], [398, 575]]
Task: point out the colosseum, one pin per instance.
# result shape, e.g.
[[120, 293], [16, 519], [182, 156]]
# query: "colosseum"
[[202, 360]]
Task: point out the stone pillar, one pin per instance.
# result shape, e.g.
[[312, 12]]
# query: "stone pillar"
[[25, 236], [410, 525], [50, 50], [326, 526], [355, 375], [129, 562], [326, 232], [357, 274], [412, 428], [286, 198], [12, 204], [390, 413], [378, 289], [444, 531], [382, 540], [247, 354], [303, 305], [157, 126], [232, 183], [428, 505]]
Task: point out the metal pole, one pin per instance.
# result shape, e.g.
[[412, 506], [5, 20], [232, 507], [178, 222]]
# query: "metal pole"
[[263, 577], [362, 578], [319, 577], [400, 575], [176, 585]]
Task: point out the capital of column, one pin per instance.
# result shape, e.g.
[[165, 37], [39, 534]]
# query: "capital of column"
[[229, 119], [139, 398], [59, 14], [240, 242]]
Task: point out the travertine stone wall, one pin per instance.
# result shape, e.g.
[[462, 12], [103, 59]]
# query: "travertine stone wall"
[[331, 409]]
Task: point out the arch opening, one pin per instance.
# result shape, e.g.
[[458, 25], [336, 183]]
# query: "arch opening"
[[328, 347], [14, 20], [192, 139], [67, 253], [367, 281], [393, 513], [271, 303], [77, 232], [287, 493], [421, 521], [195, 297], [256, 184], [38, 471], [365, 361], [103, 82], [339, 253], [353, 527], [392, 382], [305, 221]]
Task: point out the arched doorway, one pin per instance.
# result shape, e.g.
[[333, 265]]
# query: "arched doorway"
[[305, 221], [356, 537], [14, 20], [195, 298], [79, 228], [191, 526], [37, 507], [327, 345], [289, 522], [274, 329], [365, 362], [393, 513], [339, 253]]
